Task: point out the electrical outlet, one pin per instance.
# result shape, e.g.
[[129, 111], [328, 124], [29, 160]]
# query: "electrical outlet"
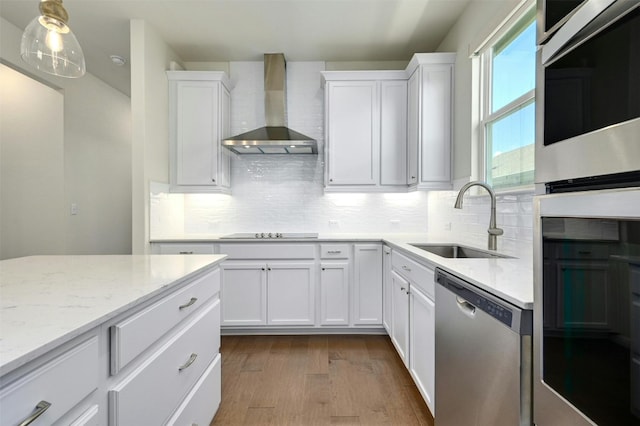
[[394, 223], [447, 226], [334, 223], [74, 209]]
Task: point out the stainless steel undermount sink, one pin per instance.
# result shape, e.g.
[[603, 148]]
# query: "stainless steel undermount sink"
[[454, 251]]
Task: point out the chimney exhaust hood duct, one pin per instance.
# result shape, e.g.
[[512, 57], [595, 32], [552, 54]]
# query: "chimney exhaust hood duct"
[[275, 137]]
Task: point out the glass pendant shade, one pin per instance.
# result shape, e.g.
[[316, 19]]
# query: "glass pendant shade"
[[49, 45]]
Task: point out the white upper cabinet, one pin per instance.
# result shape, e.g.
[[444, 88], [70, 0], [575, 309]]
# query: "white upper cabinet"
[[430, 111], [352, 132], [199, 117], [365, 130], [393, 132], [390, 131]]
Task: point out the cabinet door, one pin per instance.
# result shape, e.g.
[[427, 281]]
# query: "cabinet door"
[[386, 289], [334, 293], [393, 132], [244, 293], [435, 123], [224, 166], [197, 130], [352, 132], [367, 285], [422, 337], [290, 293], [413, 133], [400, 316]]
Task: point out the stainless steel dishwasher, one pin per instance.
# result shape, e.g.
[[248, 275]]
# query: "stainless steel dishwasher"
[[483, 357]]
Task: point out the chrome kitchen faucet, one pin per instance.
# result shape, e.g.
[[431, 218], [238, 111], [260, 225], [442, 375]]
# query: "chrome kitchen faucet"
[[493, 230]]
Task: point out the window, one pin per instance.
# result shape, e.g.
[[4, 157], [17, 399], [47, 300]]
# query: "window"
[[507, 121]]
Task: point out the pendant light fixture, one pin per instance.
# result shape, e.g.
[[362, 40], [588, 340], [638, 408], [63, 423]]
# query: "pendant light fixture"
[[49, 45]]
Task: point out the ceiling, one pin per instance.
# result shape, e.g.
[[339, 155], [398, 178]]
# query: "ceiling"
[[242, 30]]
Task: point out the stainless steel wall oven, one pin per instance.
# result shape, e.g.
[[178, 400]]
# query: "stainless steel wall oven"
[[587, 222], [587, 308], [588, 89]]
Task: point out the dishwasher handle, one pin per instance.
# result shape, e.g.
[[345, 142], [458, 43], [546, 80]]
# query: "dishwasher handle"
[[466, 307]]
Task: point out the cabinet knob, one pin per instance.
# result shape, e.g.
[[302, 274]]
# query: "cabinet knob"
[[268, 269], [330, 180], [323, 269], [402, 289], [413, 177], [213, 180], [263, 269]]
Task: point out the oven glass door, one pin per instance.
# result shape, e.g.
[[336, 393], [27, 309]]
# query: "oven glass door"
[[595, 85], [591, 315]]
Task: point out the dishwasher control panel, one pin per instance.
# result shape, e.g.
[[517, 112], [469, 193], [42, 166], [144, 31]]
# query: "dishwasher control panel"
[[513, 317]]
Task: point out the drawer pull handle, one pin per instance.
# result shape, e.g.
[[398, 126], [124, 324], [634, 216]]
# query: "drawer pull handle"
[[334, 251], [186, 252], [406, 268], [189, 303], [187, 364], [40, 409]]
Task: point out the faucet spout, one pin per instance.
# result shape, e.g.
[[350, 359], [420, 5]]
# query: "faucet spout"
[[493, 230]]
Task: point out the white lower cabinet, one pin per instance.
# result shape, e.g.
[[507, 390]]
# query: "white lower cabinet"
[[244, 294], [274, 293], [422, 344], [54, 388], [386, 288], [400, 316], [367, 285], [195, 409], [174, 368], [290, 293], [334, 293], [413, 321]]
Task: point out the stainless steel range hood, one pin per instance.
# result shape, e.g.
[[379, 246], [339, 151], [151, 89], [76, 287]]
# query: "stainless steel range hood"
[[275, 137]]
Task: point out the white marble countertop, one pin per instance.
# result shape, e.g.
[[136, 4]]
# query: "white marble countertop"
[[46, 301], [510, 279]]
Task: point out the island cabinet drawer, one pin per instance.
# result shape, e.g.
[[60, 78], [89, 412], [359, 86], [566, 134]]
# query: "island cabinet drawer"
[[53, 389], [130, 337], [202, 402], [153, 391], [334, 251], [266, 251], [417, 274]]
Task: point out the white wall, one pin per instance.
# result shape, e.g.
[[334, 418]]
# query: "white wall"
[[31, 167], [96, 161], [150, 58]]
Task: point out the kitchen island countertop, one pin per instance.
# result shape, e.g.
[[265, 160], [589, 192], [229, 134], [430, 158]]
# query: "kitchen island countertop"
[[46, 301]]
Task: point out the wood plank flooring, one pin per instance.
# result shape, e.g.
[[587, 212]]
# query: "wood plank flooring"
[[316, 380]]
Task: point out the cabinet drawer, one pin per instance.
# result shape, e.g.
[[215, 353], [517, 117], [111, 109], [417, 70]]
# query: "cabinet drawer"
[[417, 274], [195, 248], [132, 336], [201, 404], [334, 251], [268, 251], [88, 418], [153, 391], [63, 382]]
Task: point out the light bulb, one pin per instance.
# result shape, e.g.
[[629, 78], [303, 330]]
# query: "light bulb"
[[54, 41]]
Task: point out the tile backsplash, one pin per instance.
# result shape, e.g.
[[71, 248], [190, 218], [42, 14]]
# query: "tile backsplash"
[[514, 214]]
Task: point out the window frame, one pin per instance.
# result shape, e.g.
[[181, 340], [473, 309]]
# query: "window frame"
[[521, 17]]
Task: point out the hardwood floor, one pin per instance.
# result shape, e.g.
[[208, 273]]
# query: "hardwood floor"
[[316, 380]]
